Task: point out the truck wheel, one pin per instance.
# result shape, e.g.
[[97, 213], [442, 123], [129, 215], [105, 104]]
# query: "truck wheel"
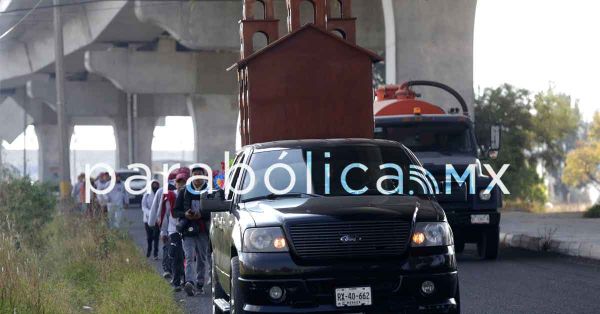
[[459, 246], [457, 299], [488, 245], [236, 305], [217, 290]]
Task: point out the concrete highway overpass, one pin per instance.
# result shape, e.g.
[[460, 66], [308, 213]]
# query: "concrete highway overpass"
[[168, 58]]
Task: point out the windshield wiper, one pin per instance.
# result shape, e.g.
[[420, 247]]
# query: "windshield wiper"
[[273, 196]]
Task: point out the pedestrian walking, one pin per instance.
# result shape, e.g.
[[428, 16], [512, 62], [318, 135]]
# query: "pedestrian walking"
[[76, 192], [152, 231], [93, 208], [194, 227], [117, 199], [102, 183], [170, 222], [161, 217]]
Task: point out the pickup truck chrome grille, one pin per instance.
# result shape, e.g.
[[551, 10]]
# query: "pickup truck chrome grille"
[[355, 239]]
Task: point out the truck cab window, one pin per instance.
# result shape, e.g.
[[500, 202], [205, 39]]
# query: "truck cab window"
[[431, 137]]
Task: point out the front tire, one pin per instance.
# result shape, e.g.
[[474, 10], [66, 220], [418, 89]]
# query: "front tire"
[[457, 299], [459, 246], [217, 290], [489, 244], [236, 303]]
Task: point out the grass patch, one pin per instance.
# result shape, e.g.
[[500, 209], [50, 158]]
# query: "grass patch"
[[70, 262], [593, 212]]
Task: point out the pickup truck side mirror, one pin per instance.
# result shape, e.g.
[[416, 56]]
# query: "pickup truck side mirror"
[[215, 202], [495, 136]]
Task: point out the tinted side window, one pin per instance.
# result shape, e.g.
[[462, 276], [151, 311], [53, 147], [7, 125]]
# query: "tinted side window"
[[234, 175]]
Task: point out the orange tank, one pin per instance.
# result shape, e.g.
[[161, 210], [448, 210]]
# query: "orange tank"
[[392, 100]]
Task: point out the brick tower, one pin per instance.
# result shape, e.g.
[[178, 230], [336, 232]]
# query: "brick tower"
[[314, 82], [250, 25]]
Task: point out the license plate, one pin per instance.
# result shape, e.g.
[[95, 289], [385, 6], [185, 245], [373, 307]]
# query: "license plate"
[[480, 219], [353, 296]]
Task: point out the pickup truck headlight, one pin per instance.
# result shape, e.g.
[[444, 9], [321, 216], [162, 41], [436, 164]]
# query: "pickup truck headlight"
[[264, 240], [485, 196], [431, 234]]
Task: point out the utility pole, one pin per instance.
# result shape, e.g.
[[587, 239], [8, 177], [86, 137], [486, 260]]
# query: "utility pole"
[[131, 113], [1, 160], [24, 142], [63, 149]]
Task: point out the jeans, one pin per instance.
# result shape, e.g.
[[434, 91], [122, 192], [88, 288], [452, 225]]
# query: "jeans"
[[196, 248], [115, 213], [152, 234], [166, 259], [176, 256]]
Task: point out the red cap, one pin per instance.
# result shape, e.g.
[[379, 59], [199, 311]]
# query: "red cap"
[[182, 176], [185, 170], [173, 175]]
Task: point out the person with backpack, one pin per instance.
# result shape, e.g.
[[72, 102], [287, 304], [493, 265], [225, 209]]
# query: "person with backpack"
[[161, 215], [194, 228], [152, 232]]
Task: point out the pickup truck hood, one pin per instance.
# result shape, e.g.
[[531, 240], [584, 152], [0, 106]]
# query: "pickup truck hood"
[[280, 211], [436, 160]]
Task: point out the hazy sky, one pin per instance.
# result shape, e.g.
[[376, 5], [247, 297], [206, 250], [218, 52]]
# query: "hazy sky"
[[529, 43], [537, 43]]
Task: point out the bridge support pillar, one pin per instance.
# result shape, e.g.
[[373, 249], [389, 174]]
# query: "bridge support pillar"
[[143, 134], [431, 40], [215, 119], [48, 163]]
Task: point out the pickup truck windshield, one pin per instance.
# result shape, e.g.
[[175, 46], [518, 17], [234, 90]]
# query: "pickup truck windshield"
[[431, 137], [340, 157]]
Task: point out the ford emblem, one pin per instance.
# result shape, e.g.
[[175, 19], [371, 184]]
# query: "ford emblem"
[[350, 238]]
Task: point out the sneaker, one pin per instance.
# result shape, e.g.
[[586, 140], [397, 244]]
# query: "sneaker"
[[166, 275], [156, 258], [177, 288], [189, 289], [200, 287]]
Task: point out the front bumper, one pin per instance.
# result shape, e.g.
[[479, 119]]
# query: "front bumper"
[[395, 285], [464, 230], [459, 219]]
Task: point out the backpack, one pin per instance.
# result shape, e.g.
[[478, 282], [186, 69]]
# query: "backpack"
[[169, 197]]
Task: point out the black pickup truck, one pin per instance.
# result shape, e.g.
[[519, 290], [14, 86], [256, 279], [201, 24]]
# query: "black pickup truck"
[[329, 240]]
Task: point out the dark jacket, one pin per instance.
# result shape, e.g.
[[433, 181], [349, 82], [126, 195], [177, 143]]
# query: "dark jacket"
[[189, 198], [184, 203]]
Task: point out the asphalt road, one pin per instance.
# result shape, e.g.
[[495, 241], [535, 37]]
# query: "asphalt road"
[[519, 282]]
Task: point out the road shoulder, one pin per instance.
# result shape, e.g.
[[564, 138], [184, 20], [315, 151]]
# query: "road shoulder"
[[564, 233], [200, 303]]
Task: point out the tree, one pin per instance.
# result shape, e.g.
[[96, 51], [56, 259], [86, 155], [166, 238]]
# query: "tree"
[[556, 125], [511, 107], [594, 132], [583, 164]]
